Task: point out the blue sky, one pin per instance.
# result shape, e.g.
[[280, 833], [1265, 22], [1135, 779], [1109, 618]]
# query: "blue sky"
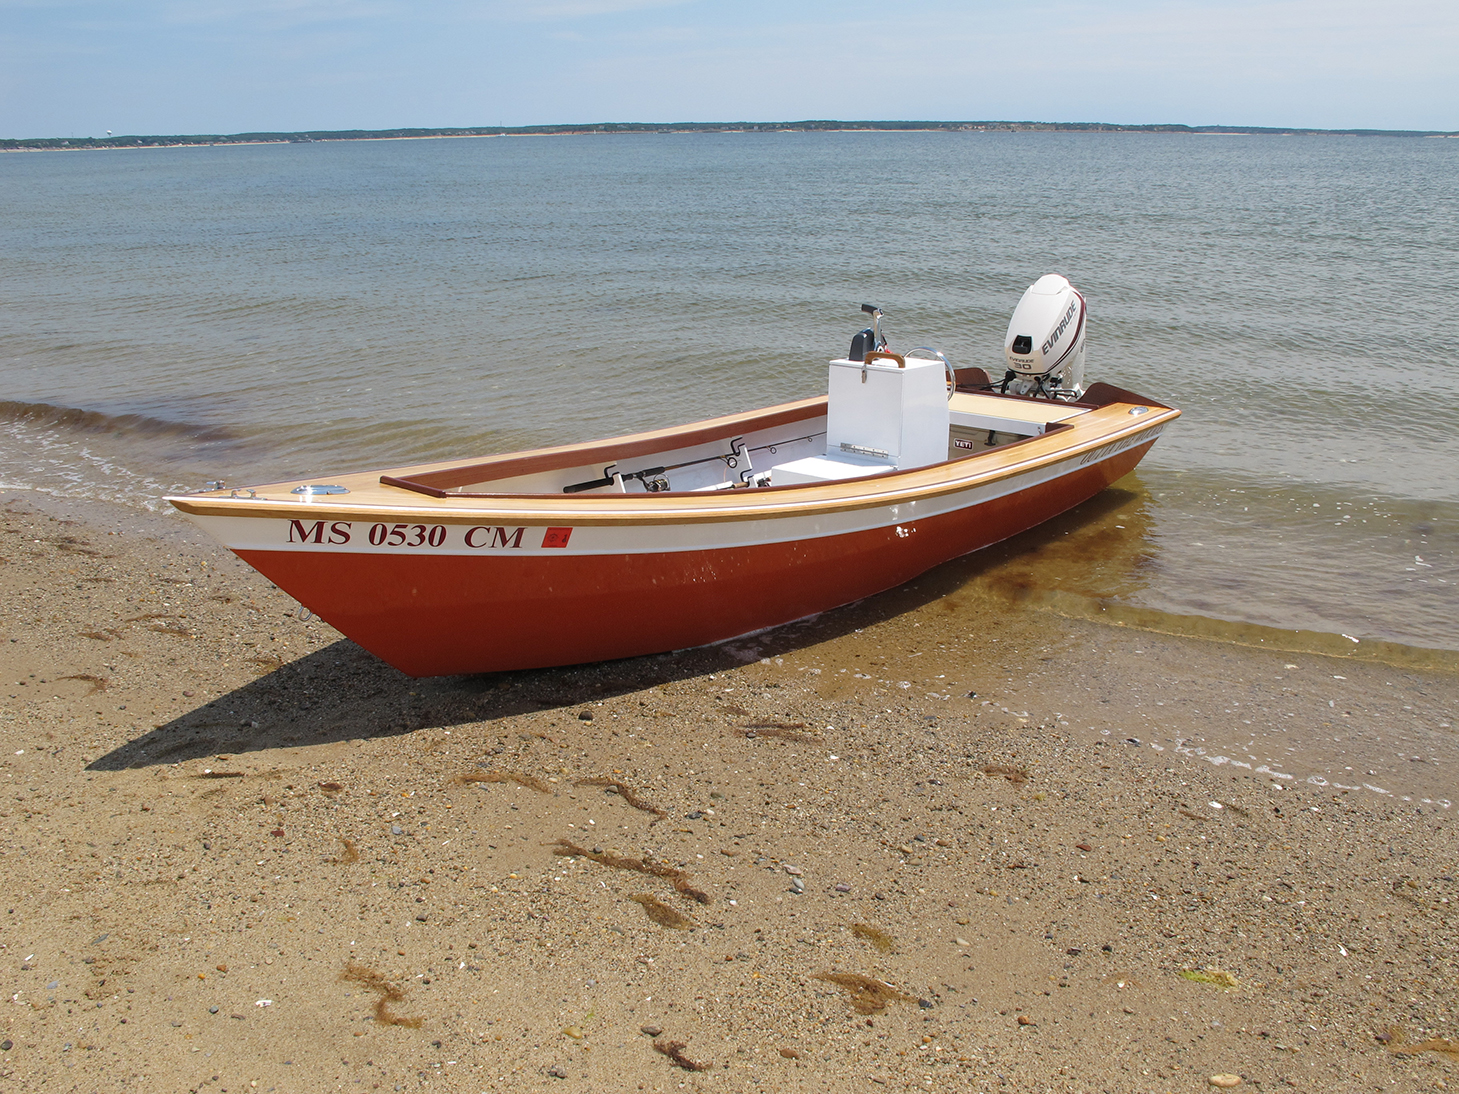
[[81, 67]]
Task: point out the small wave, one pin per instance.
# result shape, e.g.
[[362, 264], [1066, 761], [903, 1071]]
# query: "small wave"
[[1237, 632], [78, 420]]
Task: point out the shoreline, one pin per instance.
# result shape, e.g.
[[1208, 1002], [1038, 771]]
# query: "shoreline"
[[212, 806]]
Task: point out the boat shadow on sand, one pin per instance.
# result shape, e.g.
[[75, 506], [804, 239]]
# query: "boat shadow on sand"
[[342, 693]]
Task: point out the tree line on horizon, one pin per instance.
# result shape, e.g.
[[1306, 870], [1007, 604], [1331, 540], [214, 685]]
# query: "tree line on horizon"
[[310, 136]]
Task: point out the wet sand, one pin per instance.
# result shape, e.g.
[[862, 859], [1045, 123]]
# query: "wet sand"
[[942, 841]]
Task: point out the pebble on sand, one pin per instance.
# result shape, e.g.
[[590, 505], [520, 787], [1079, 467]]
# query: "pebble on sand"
[[1225, 1080]]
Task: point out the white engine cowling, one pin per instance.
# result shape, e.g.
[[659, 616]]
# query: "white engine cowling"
[[1045, 341]]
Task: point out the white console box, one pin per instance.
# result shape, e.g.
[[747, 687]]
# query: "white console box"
[[879, 417], [881, 413]]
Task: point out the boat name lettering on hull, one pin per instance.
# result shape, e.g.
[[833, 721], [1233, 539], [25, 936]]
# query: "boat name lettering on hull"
[[407, 535], [494, 536], [487, 537], [1104, 452], [337, 533]]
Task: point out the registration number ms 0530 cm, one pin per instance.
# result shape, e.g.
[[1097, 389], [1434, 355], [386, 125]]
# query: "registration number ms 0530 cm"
[[480, 537]]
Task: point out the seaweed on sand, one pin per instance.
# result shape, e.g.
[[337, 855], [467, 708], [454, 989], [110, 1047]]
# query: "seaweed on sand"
[[98, 683], [875, 935], [1016, 775], [1218, 978], [676, 877], [674, 1050], [528, 781], [1397, 1042], [661, 913], [623, 792], [786, 731], [868, 996], [372, 981]]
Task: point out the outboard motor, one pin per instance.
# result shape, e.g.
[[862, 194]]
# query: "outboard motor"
[[1045, 341]]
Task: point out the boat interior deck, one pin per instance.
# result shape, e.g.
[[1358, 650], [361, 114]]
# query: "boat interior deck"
[[747, 451]]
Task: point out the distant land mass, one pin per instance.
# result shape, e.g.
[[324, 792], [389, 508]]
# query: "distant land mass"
[[184, 140]]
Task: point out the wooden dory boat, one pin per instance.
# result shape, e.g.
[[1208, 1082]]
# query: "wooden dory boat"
[[685, 536]]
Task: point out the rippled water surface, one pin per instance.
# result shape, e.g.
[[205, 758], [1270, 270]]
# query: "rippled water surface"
[[251, 313]]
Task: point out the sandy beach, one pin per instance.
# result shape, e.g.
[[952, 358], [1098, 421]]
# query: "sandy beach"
[[934, 841]]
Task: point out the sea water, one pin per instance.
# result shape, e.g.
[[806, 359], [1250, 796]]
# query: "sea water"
[[251, 313]]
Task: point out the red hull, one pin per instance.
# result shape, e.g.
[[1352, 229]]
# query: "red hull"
[[436, 616]]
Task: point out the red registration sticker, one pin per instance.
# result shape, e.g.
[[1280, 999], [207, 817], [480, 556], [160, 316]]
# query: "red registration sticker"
[[556, 537]]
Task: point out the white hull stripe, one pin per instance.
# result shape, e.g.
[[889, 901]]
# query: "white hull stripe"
[[366, 535]]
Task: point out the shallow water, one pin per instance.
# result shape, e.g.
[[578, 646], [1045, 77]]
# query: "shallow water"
[[249, 313]]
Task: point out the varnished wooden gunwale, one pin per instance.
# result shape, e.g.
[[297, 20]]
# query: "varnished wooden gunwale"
[[1102, 426]]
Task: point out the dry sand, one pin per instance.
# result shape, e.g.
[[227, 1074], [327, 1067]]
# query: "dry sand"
[[241, 854]]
